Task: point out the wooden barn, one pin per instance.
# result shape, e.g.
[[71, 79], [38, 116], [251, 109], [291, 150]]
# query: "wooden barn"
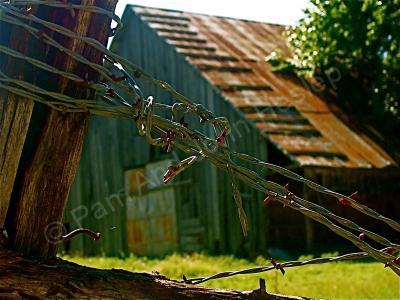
[[220, 63]]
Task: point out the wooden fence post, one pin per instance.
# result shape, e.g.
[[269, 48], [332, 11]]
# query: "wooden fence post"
[[41, 194], [15, 114]]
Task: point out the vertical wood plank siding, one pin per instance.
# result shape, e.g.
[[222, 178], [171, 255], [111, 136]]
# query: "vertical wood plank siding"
[[377, 189], [113, 146]]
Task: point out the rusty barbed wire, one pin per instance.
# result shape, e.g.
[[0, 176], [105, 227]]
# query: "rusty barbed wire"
[[280, 266], [74, 233], [169, 133]]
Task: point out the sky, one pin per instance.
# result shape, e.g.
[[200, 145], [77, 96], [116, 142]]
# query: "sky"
[[285, 12]]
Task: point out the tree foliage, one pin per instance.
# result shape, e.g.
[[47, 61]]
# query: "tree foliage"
[[358, 38]]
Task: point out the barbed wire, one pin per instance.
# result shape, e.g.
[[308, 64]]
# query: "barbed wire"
[[281, 266], [167, 133]]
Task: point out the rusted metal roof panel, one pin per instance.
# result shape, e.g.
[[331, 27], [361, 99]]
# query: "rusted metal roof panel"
[[359, 150], [231, 53], [303, 145]]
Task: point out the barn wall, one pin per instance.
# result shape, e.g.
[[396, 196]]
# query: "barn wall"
[[377, 189], [206, 213], [96, 200], [287, 227], [292, 231]]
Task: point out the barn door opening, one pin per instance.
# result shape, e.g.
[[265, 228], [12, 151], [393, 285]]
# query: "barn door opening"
[[163, 218], [151, 211]]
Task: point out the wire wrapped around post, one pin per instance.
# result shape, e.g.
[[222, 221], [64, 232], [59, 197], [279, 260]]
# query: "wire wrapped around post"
[[119, 78]]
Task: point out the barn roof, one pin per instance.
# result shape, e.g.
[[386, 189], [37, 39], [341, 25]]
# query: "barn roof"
[[230, 54]]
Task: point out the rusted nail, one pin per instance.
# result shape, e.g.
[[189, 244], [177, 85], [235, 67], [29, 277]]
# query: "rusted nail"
[[222, 137], [277, 266], [286, 186], [94, 235], [361, 236]]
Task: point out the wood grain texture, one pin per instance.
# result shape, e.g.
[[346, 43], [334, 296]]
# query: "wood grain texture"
[[15, 114], [22, 278], [48, 175], [14, 123]]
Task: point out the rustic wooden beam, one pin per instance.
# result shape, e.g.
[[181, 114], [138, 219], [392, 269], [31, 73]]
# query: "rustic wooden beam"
[[22, 278], [41, 194]]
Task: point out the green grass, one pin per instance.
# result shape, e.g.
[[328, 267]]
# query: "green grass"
[[341, 280]]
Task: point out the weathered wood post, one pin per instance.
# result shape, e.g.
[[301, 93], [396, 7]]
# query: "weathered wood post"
[[15, 114], [41, 194]]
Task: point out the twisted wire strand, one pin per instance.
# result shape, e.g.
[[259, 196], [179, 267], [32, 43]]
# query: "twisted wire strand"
[[155, 128], [248, 177], [206, 115], [317, 187], [258, 184], [254, 180], [68, 5], [47, 39], [289, 264]]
